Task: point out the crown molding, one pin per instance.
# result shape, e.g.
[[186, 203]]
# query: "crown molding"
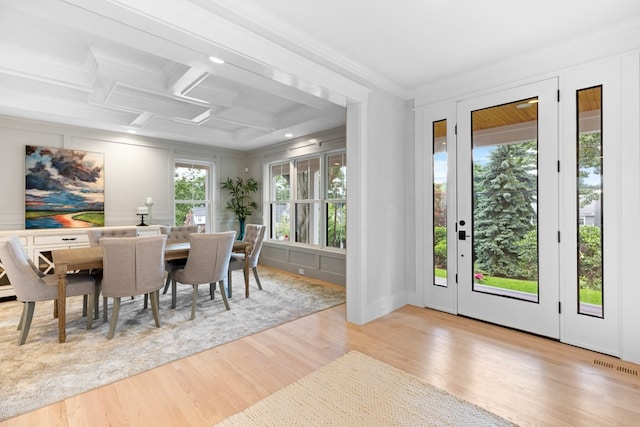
[[274, 29]]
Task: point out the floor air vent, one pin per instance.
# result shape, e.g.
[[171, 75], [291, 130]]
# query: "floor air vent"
[[615, 367]]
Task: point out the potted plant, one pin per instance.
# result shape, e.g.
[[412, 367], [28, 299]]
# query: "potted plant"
[[240, 202]]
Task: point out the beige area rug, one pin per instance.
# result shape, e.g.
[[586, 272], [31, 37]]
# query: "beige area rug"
[[357, 390], [43, 371]]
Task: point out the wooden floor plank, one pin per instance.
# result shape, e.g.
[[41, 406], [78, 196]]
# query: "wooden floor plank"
[[527, 379]]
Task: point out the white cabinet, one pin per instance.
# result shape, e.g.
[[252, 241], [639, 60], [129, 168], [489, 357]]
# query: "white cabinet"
[[39, 243], [44, 244]]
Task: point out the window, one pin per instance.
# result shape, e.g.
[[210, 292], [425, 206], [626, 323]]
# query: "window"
[[336, 201], [307, 200], [192, 196]]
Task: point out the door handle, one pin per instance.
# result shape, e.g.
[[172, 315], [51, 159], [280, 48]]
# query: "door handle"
[[462, 235]]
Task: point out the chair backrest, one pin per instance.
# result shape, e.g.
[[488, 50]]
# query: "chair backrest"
[[132, 265], [209, 255], [254, 234], [24, 276], [96, 235], [178, 233]]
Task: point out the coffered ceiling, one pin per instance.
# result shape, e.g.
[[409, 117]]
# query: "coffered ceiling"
[[103, 64], [61, 63]]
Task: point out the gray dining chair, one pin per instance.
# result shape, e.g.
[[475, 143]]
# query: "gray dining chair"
[[132, 266], [254, 234], [177, 234], [31, 286], [94, 240], [96, 234], [208, 262]]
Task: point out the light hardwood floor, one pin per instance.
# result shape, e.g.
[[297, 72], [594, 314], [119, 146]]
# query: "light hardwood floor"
[[527, 379]]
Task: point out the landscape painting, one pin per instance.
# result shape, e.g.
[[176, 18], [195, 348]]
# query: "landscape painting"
[[64, 188]]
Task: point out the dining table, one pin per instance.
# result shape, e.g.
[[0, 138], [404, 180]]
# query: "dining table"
[[86, 258]]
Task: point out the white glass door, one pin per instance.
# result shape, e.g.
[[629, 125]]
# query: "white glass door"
[[507, 208]]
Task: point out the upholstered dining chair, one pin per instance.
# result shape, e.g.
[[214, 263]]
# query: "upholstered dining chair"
[[176, 234], [94, 240], [96, 235], [254, 234], [31, 285], [132, 266], [208, 262]]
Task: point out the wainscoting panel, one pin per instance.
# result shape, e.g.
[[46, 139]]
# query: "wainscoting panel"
[[318, 264]]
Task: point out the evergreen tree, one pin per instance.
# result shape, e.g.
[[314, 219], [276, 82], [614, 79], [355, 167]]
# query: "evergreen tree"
[[506, 191]]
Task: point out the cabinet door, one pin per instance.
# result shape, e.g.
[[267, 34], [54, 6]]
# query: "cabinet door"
[[44, 244]]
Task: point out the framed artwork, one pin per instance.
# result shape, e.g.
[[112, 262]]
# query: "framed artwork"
[[63, 188]]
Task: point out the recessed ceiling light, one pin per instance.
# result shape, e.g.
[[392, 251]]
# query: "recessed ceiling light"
[[216, 60], [527, 105], [533, 101], [132, 131], [288, 135]]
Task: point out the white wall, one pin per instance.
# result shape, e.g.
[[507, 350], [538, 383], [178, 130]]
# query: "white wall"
[[135, 168]]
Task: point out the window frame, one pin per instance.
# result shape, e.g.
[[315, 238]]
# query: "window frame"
[[318, 204], [208, 201]]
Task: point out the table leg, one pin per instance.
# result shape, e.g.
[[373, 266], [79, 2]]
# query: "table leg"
[[61, 271]]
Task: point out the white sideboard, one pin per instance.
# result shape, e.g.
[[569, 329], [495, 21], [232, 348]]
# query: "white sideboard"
[[39, 243]]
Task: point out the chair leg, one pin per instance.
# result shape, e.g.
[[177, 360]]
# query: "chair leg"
[[229, 272], [255, 274], [193, 302], [84, 305], [25, 321], [224, 295], [173, 293], [212, 290], [155, 302], [167, 283], [96, 304], [105, 315], [146, 301], [114, 317], [90, 304]]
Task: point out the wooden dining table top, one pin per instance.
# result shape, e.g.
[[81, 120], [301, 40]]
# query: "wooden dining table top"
[[91, 257]]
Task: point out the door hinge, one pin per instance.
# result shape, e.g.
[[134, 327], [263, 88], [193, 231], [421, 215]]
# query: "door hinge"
[[558, 166], [559, 307], [558, 236], [456, 278], [558, 95], [455, 129]]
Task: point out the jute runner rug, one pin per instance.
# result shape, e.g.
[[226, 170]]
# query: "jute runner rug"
[[43, 371], [357, 390]]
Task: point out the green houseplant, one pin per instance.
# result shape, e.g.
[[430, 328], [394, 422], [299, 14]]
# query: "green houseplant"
[[240, 202]]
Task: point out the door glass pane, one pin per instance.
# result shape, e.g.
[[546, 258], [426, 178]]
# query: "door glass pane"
[[505, 194], [589, 201], [440, 203]]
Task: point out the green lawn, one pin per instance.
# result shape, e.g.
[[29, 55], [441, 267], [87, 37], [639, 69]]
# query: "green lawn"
[[588, 296]]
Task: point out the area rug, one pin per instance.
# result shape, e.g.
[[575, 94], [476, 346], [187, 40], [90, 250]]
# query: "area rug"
[[43, 371], [357, 390]]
